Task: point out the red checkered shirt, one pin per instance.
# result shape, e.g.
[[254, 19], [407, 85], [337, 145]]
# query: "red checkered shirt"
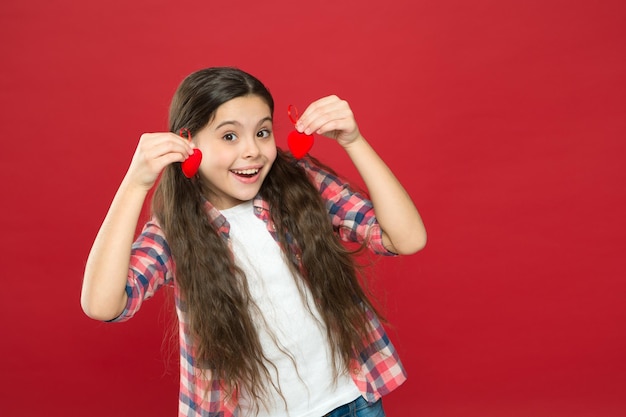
[[376, 371]]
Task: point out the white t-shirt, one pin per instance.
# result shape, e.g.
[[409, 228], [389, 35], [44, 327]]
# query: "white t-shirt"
[[293, 336]]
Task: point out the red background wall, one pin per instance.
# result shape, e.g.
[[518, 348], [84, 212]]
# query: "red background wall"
[[505, 121]]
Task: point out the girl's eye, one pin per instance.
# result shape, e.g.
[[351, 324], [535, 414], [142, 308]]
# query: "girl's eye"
[[263, 133], [229, 137]]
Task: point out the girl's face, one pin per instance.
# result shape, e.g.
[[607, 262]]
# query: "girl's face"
[[238, 150]]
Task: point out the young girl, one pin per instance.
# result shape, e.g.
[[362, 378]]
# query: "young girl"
[[272, 319]]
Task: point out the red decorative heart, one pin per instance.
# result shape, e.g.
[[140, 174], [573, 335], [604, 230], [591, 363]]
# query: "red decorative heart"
[[299, 143], [190, 165]]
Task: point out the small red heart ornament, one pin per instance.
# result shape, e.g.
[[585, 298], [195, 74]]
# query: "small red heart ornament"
[[299, 143], [190, 165]]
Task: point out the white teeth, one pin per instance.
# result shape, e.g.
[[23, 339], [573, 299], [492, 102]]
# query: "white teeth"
[[245, 171]]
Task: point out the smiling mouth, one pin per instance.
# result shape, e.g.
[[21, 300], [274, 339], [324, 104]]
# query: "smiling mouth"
[[246, 173]]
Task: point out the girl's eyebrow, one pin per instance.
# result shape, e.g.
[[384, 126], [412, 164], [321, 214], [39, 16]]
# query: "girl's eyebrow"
[[236, 123]]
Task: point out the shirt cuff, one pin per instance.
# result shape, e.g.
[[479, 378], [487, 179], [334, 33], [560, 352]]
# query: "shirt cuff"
[[375, 241]]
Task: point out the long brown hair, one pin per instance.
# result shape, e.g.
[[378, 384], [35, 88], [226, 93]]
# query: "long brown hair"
[[214, 294]]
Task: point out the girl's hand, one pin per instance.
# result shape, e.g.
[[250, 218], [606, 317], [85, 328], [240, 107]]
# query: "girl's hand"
[[331, 117], [154, 152]]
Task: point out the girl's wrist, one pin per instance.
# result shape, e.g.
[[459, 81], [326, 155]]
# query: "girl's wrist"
[[129, 186], [354, 144]]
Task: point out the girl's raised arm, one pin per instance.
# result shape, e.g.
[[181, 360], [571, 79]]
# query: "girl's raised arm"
[[103, 295], [403, 229]]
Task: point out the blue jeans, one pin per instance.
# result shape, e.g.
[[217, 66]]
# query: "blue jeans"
[[359, 408]]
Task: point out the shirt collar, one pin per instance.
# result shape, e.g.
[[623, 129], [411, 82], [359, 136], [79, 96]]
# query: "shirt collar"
[[217, 219]]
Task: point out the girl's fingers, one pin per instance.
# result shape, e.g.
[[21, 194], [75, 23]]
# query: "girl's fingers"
[[326, 114], [157, 144], [319, 107], [332, 117], [154, 152]]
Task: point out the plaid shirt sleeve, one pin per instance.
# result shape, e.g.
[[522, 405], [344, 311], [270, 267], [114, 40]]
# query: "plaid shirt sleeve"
[[150, 268], [352, 214]]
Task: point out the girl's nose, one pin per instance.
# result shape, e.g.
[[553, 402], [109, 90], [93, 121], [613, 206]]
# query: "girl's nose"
[[251, 148]]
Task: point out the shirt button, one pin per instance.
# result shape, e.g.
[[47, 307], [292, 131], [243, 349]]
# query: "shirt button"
[[356, 371]]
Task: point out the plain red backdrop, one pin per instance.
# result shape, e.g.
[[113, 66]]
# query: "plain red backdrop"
[[504, 119]]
